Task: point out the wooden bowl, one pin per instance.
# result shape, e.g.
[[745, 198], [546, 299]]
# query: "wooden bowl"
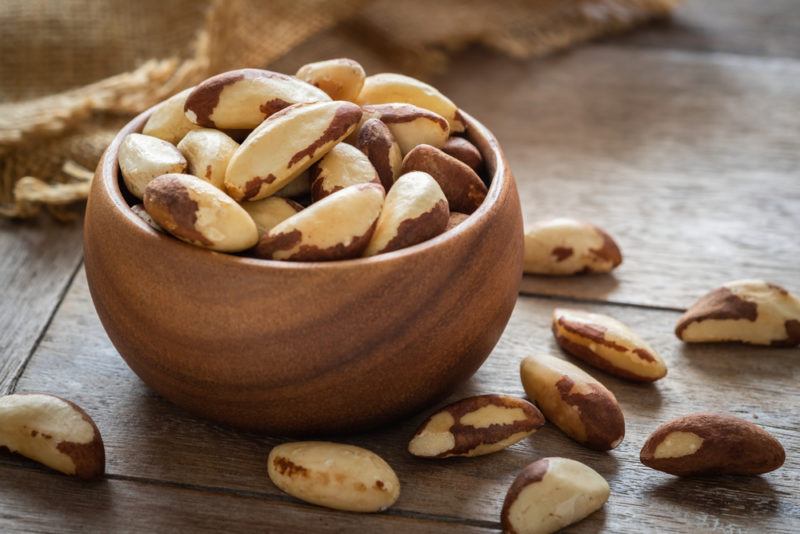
[[304, 348]]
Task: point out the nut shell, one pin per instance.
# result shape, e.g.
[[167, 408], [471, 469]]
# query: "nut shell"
[[343, 477], [574, 401], [476, 426], [607, 344], [712, 444], [748, 311]]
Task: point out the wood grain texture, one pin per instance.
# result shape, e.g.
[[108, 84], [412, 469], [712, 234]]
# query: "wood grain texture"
[[36, 501], [690, 162], [150, 438], [37, 261], [760, 28]]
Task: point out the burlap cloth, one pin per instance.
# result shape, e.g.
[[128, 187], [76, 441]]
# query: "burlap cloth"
[[74, 71]]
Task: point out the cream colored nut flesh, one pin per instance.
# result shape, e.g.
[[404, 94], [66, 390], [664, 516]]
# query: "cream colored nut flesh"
[[565, 246], [464, 189], [242, 99], [344, 165], [574, 401], [341, 79], [168, 121], [376, 141], [465, 152], [607, 344], [299, 187], [343, 477], [285, 145], [550, 494], [208, 152], [415, 210], [337, 227], [476, 426], [269, 212], [387, 88], [748, 311], [139, 210], [410, 125], [197, 212], [712, 444], [142, 158], [53, 432]]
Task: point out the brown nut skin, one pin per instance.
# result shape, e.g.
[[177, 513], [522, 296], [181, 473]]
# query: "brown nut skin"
[[475, 426], [550, 494], [746, 311], [607, 344], [465, 152], [52, 431], [341, 78], [198, 213], [242, 99], [574, 401], [410, 125], [463, 188], [414, 211], [712, 444], [455, 219], [320, 233], [377, 142]]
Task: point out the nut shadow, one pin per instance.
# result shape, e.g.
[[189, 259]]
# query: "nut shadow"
[[723, 494]]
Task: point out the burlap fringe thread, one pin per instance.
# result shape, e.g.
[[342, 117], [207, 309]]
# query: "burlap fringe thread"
[[61, 136]]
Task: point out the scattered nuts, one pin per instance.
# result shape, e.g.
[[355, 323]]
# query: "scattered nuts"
[[168, 121], [341, 79], [550, 494], [476, 426], [463, 188], [208, 153], [337, 227], [244, 98], [197, 212], [285, 145], [142, 158], [574, 401], [343, 477], [269, 212], [465, 152], [377, 142], [139, 210], [566, 246], [343, 166], [607, 344], [52, 431], [748, 311], [299, 187], [415, 210], [712, 444], [410, 125], [388, 88], [455, 219]]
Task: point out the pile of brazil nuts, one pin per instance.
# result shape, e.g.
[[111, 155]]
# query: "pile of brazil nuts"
[[329, 164]]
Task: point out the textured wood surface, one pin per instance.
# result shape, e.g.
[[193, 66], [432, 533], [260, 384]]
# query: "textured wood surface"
[[681, 139]]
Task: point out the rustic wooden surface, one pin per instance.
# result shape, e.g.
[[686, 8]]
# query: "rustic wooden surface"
[[682, 139]]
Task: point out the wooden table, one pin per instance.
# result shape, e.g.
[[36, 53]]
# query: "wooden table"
[[682, 139]]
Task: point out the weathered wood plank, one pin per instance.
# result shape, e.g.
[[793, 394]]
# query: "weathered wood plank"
[[38, 501], [37, 261], [690, 161], [147, 437], [762, 28]]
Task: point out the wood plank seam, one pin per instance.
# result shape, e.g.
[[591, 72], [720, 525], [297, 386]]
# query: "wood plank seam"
[[12, 384], [577, 300], [279, 498]]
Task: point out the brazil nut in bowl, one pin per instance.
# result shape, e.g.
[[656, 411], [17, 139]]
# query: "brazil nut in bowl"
[[314, 300]]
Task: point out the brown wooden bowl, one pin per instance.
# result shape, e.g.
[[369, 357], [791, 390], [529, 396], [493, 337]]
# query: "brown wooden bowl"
[[304, 348]]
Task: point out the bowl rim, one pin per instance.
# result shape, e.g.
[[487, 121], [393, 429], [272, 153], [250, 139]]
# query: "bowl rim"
[[109, 173]]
